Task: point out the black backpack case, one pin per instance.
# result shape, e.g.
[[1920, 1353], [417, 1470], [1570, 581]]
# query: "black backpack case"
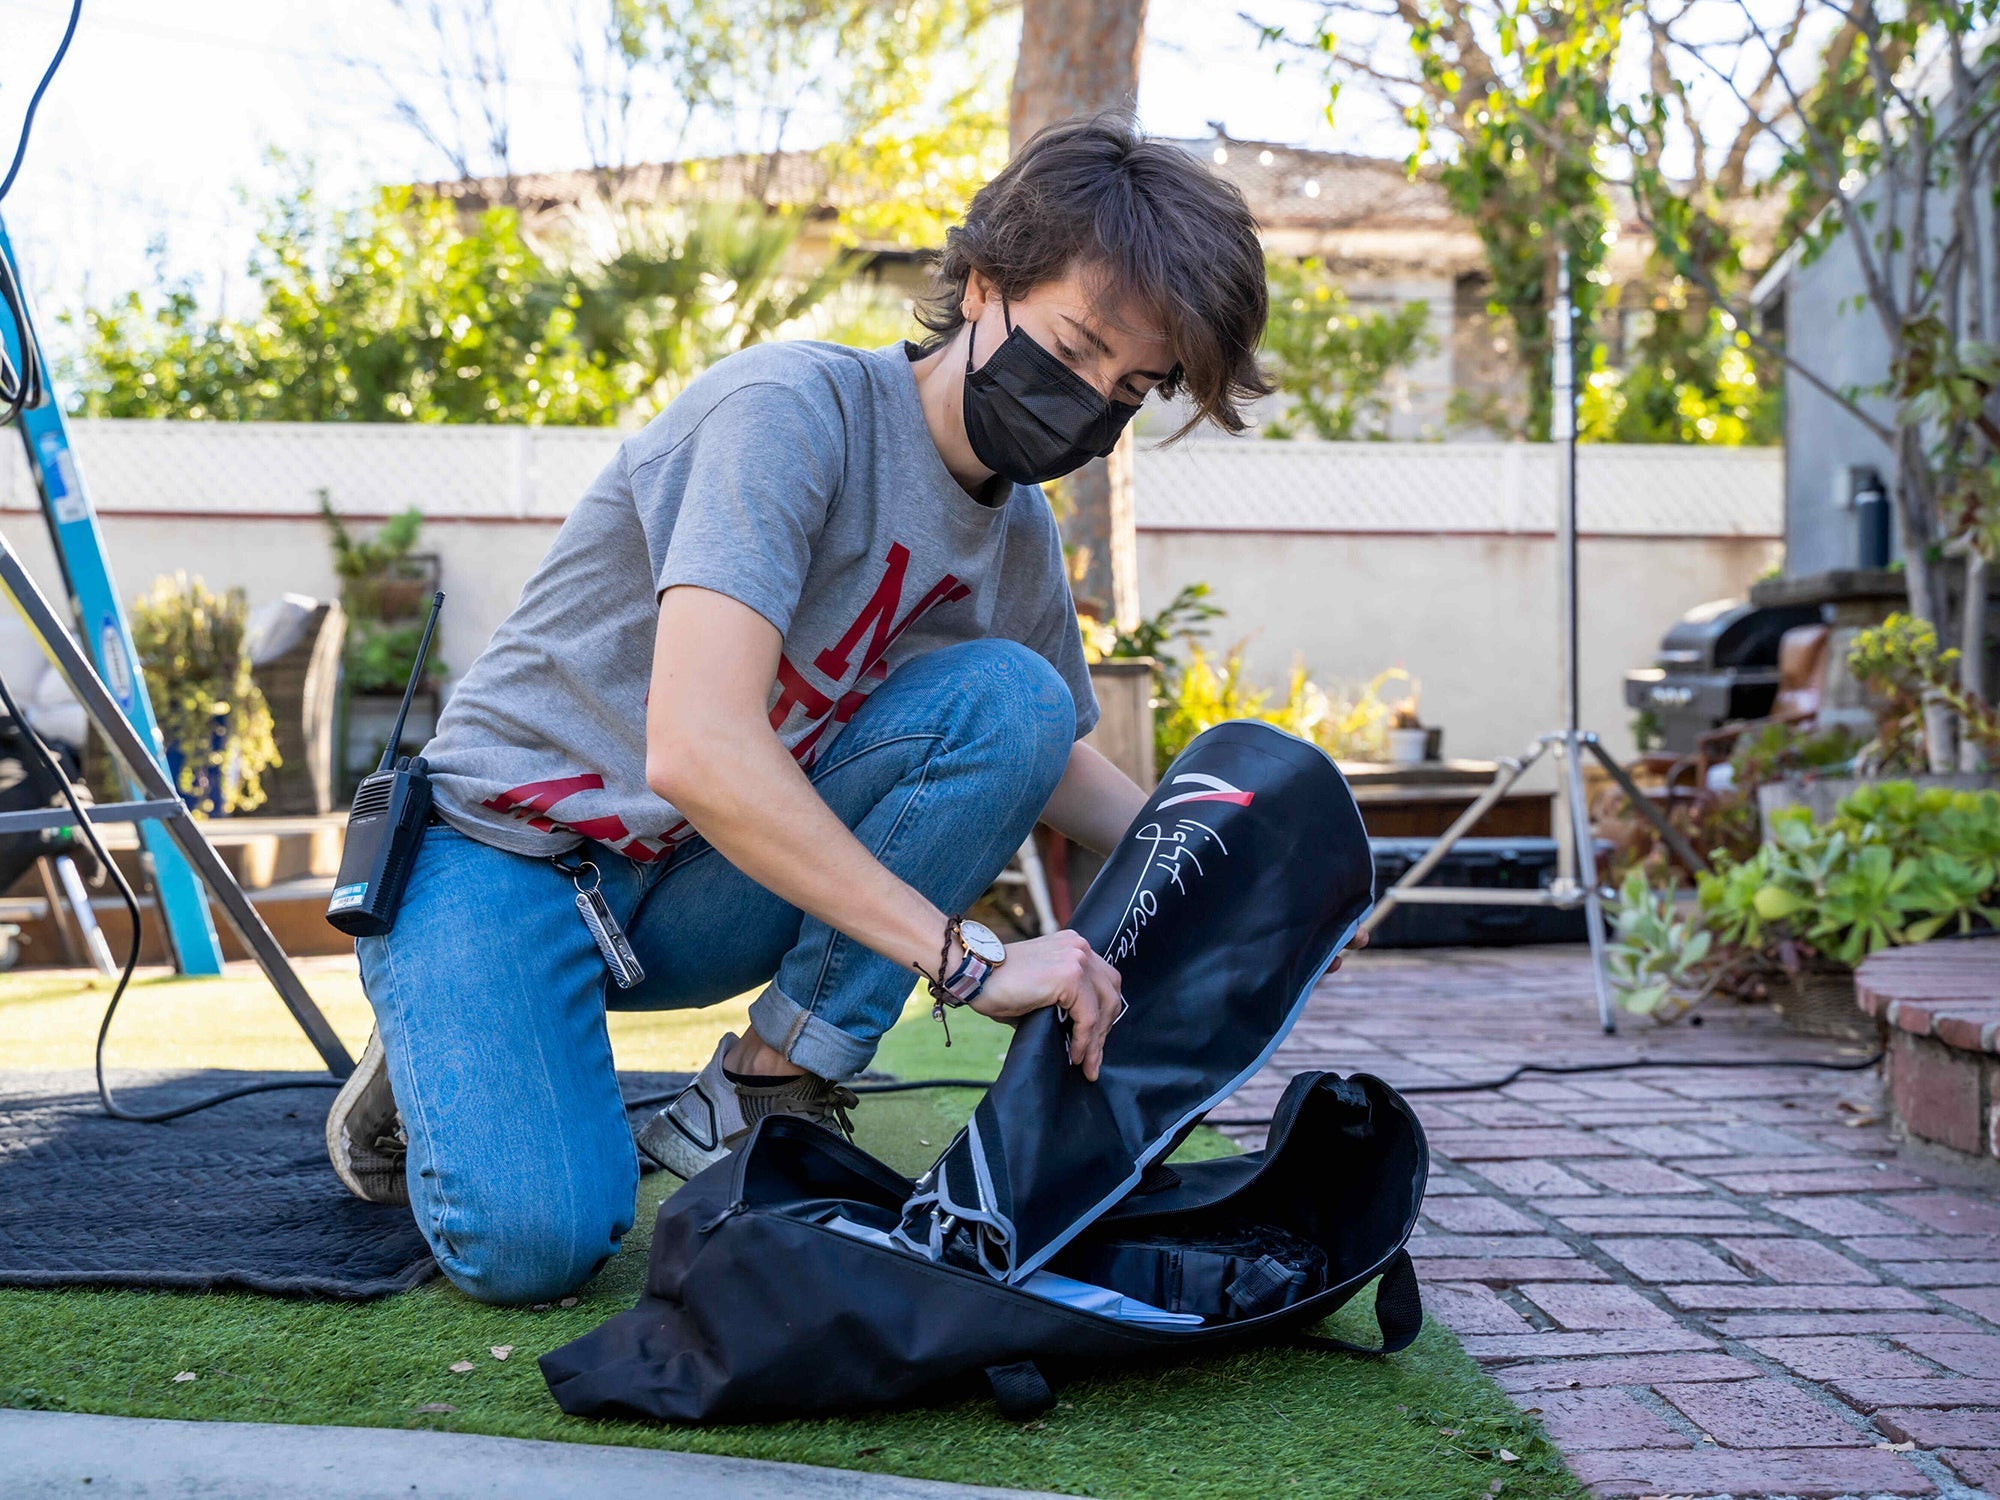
[[802, 1275]]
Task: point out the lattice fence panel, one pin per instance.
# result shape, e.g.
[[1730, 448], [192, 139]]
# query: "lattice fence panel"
[[279, 468]]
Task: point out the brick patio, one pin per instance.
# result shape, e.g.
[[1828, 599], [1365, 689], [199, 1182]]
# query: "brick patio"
[[1706, 1281]]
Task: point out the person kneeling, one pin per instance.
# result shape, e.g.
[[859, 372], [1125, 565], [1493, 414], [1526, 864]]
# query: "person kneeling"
[[797, 677]]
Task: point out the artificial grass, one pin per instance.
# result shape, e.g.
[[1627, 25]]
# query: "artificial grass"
[[1421, 1425], [48, 1019]]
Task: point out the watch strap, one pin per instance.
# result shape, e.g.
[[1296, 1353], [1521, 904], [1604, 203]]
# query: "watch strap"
[[965, 982]]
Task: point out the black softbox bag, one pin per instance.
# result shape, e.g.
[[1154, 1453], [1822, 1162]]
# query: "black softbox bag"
[[801, 1275], [1229, 896], [757, 1307]]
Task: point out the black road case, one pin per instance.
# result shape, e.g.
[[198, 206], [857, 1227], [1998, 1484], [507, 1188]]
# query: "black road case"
[[1520, 864]]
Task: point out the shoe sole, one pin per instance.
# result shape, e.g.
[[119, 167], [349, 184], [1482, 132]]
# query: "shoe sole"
[[365, 1073], [664, 1143]]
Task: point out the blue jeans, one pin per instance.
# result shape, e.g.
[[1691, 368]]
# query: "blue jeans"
[[490, 995]]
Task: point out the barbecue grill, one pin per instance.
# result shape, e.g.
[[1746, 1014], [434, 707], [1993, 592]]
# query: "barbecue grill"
[[1716, 664]]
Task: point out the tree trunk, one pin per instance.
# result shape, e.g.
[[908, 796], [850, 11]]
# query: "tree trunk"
[[1917, 530], [1923, 575], [1077, 57], [1972, 652]]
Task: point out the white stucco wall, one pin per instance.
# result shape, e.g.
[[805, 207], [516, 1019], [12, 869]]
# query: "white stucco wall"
[[484, 563], [1352, 557], [1473, 618]]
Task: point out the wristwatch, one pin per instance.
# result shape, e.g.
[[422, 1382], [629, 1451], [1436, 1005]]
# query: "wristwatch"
[[984, 953]]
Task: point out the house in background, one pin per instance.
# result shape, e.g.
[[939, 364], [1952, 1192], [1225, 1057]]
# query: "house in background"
[[1390, 239], [1837, 472]]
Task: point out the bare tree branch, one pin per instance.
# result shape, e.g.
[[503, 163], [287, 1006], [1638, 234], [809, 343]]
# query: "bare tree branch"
[[1817, 167], [1730, 178], [1747, 324], [473, 134]]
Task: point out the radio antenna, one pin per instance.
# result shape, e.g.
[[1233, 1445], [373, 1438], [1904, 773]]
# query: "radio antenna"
[[410, 688]]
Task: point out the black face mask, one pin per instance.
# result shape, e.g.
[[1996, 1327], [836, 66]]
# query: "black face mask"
[[1030, 417]]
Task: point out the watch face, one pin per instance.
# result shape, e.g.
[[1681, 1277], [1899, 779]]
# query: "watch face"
[[980, 942]]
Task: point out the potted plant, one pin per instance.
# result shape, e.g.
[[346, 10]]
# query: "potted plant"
[[381, 576], [1409, 740], [1896, 864], [385, 587], [1925, 717], [215, 723], [1659, 961]]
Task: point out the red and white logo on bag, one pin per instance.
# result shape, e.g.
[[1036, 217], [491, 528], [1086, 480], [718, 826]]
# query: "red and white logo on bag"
[[1178, 852], [1209, 789]]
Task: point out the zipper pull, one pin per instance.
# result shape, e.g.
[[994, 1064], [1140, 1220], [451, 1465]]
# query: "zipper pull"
[[715, 1223]]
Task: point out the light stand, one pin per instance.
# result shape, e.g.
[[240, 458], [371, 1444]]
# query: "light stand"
[[1575, 882]]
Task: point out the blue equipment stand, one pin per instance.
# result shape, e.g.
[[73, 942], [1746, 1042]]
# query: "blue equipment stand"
[[108, 638], [112, 691]]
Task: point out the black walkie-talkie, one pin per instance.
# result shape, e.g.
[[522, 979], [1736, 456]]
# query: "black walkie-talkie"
[[385, 825]]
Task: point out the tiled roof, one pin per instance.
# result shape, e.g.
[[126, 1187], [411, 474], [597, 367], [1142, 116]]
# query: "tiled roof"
[[1286, 186], [789, 177], [1292, 187]]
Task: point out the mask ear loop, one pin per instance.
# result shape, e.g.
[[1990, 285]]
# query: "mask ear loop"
[[972, 338]]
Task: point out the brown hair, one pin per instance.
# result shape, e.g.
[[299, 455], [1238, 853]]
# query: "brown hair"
[[1152, 223]]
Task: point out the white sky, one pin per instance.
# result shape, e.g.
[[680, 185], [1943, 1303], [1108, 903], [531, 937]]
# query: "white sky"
[[163, 116]]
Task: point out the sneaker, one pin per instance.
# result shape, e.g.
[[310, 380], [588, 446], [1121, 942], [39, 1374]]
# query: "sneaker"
[[364, 1134], [713, 1114]]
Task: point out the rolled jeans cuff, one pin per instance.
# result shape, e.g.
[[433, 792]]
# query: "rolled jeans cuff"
[[812, 1043]]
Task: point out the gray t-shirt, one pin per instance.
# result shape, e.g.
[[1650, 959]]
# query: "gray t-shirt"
[[800, 479]]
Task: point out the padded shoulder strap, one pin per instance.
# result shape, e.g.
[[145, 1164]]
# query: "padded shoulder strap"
[[1399, 1312], [1019, 1390]]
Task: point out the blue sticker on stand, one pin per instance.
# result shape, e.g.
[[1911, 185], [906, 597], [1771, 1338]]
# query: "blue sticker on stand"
[[117, 666]]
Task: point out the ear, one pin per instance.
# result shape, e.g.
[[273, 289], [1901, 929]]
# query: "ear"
[[980, 294]]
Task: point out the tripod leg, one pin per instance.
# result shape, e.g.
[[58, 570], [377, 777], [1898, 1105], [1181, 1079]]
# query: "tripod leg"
[[86, 919], [1674, 839], [1037, 880], [1583, 841], [1503, 781], [58, 912]]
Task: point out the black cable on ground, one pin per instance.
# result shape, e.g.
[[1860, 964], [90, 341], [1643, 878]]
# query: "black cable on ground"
[[903, 1086], [885, 1086], [1487, 1085], [46, 762]]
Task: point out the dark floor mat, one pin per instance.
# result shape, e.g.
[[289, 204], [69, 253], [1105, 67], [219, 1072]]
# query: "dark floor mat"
[[237, 1197]]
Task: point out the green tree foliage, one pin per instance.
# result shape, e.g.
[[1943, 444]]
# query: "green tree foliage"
[[191, 645], [406, 311], [1517, 109], [1332, 364], [394, 312], [908, 97], [683, 290], [1884, 119], [1509, 102], [1525, 115], [1682, 387]]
